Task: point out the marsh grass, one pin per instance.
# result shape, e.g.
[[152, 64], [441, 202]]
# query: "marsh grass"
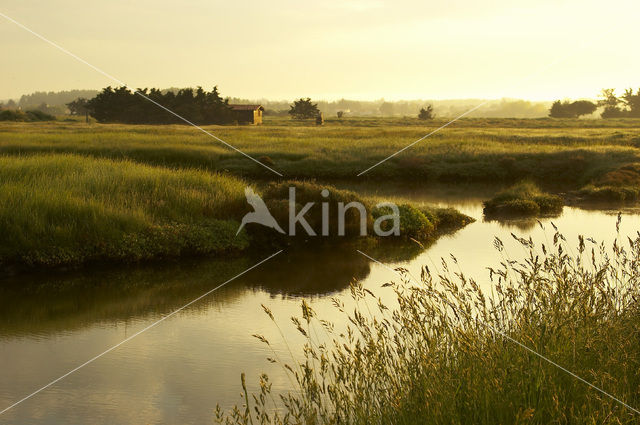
[[572, 151], [619, 185], [421, 224], [70, 210], [67, 209], [440, 355], [522, 199]]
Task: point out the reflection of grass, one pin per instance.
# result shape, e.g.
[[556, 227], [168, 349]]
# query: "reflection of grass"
[[47, 303], [523, 199], [441, 355]]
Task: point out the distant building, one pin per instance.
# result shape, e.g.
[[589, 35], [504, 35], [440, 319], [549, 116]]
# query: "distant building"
[[248, 114]]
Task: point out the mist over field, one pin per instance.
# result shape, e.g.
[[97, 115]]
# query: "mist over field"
[[55, 103], [353, 212]]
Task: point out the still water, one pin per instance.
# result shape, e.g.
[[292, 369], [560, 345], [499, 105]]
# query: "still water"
[[179, 370]]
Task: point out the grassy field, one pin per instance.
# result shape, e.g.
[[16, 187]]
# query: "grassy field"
[[62, 209], [563, 151], [448, 353], [73, 192]]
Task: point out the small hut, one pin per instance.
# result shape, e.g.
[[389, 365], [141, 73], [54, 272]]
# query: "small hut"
[[247, 114]]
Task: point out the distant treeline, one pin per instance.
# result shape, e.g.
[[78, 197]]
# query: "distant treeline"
[[503, 108], [125, 106], [625, 106], [192, 103], [56, 103], [53, 103]]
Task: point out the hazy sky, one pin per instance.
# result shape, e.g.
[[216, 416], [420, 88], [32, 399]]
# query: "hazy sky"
[[327, 49]]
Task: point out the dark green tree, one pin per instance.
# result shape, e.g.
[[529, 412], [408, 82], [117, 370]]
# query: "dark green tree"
[[611, 104], [559, 110], [426, 113], [632, 102], [571, 109], [123, 105], [583, 107], [304, 109], [80, 106]]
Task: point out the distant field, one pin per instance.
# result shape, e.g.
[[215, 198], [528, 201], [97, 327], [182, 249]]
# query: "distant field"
[[492, 150], [73, 193]]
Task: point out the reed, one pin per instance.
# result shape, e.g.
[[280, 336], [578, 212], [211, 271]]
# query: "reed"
[[446, 351]]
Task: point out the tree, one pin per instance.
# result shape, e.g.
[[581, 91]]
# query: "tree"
[[611, 103], [386, 109], [632, 101], [426, 114], [571, 109], [583, 107], [559, 110], [304, 109], [80, 106], [123, 105]]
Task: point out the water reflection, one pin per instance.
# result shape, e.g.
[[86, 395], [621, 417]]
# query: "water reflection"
[[178, 371]]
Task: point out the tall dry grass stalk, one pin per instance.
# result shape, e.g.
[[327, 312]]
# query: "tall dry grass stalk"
[[440, 356]]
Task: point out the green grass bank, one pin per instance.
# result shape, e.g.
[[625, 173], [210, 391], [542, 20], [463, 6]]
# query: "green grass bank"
[[571, 152], [522, 200], [69, 210]]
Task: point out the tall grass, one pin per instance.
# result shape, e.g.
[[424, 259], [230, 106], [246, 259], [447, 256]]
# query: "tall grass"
[[68, 209], [522, 199], [445, 353], [619, 185], [474, 150], [65, 209]]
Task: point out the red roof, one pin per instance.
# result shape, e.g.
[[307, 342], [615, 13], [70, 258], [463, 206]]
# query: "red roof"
[[246, 107]]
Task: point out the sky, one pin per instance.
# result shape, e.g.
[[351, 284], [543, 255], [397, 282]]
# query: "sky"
[[329, 49]]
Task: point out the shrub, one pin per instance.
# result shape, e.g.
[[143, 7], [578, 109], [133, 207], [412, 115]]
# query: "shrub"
[[276, 196], [413, 222], [522, 199], [446, 219], [609, 193], [11, 115], [16, 115], [619, 185], [36, 115]]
